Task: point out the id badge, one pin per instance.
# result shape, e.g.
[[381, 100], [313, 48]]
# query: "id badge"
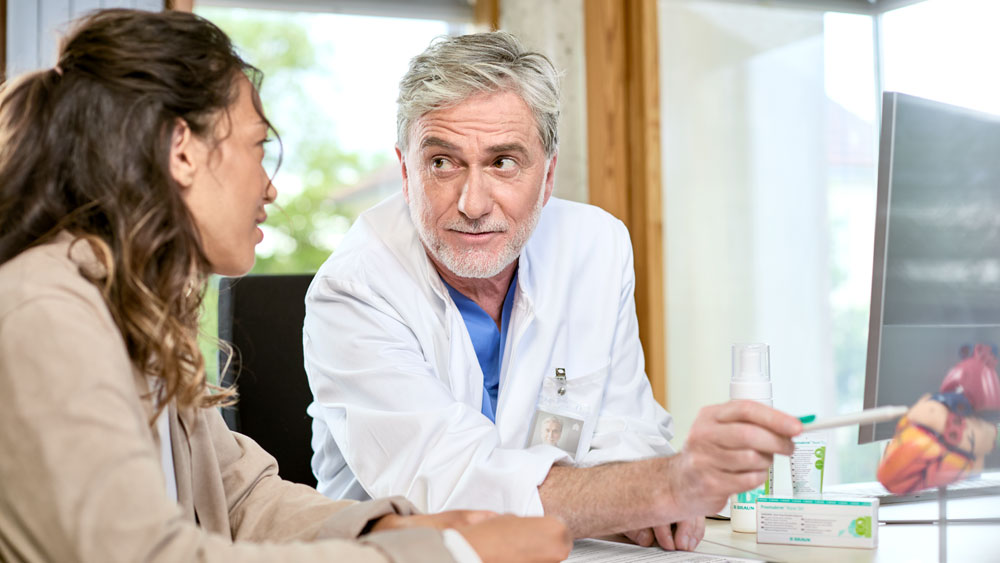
[[567, 410]]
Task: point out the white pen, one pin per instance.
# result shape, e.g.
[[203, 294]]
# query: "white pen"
[[879, 414]]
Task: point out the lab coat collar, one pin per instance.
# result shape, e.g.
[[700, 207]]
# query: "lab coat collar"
[[525, 282], [390, 222]]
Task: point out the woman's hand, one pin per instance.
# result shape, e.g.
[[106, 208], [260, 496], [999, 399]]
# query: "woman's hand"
[[510, 538], [495, 537], [440, 521]]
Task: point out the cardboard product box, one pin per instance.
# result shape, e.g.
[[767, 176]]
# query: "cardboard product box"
[[825, 520]]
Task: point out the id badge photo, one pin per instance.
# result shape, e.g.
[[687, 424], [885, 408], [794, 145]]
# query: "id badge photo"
[[566, 412]]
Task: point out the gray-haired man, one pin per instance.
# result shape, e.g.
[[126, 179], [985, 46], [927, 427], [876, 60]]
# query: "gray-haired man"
[[457, 314]]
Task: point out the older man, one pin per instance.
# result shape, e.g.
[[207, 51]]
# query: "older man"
[[460, 313], [552, 429]]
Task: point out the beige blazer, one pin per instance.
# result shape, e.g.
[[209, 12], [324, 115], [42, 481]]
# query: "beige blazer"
[[80, 471]]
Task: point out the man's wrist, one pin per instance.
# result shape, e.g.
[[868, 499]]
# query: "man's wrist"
[[667, 490]]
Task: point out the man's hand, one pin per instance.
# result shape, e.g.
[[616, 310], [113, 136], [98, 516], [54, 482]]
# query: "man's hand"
[[728, 450], [510, 538], [684, 535], [440, 521]]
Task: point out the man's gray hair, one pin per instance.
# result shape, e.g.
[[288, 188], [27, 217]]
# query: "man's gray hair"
[[454, 69], [555, 419]]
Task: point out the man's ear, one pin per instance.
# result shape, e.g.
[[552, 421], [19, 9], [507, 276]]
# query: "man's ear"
[[550, 177], [406, 178], [184, 152]]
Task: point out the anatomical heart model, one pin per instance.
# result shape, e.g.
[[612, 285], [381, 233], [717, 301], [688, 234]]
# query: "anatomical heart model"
[[946, 436]]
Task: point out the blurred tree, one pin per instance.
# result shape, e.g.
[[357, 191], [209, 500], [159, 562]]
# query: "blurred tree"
[[306, 221], [304, 225]]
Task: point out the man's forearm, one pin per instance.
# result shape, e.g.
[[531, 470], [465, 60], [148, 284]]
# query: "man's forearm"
[[729, 449], [611, 498]]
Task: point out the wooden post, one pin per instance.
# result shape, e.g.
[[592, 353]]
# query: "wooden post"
[[487, 14], [623, 138], [179, 5]]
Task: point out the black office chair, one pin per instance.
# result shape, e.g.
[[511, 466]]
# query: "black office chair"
[[261, 316]]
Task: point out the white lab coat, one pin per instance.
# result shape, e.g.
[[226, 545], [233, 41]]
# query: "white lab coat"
[[398, 388]]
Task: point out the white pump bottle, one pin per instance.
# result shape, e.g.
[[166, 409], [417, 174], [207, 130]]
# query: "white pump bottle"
[[751, 380]]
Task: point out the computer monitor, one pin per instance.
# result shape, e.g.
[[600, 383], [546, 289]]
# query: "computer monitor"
[[936, 271]]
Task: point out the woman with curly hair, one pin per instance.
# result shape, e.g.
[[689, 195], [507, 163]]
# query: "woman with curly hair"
[[129, 173]]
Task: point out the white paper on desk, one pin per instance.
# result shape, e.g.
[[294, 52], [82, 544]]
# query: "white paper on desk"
[[600, 551]]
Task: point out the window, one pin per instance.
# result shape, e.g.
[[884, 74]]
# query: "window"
[[770, 126], [330, 90], [944, 50], [330, 86], [769, 160]]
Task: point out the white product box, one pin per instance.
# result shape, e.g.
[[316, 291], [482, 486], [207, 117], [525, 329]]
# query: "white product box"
[[827, 520]]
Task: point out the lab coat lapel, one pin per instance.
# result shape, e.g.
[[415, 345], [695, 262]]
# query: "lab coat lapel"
[[515, 404], [465, 374]]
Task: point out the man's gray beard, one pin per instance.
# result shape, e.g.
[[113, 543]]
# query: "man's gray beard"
[[467, 263]]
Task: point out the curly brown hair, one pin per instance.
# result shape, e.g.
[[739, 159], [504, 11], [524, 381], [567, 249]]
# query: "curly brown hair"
[[84, 148]]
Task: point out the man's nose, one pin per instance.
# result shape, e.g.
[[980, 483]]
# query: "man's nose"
[[476, 200]]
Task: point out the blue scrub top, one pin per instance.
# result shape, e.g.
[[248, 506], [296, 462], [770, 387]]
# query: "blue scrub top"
[[487, 340]]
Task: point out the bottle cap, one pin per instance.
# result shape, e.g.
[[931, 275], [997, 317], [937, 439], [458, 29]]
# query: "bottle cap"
[[751, 372]]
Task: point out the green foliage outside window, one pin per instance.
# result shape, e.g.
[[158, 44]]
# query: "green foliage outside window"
[[303, 226], [306, 218]]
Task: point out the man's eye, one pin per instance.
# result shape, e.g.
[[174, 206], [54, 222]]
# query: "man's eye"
[[504, 164], [440, 164]]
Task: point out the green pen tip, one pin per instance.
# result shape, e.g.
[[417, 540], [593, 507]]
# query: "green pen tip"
[[807, 418]]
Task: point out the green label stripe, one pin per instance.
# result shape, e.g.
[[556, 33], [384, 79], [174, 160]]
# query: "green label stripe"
[[815, 501]]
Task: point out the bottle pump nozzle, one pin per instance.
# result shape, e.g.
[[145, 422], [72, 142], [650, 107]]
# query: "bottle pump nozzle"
[[751, 372]]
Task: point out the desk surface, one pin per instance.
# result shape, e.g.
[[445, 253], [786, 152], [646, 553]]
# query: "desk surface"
[[896, 542]]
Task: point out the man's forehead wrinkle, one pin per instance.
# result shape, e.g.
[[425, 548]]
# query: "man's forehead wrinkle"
[[507, 147], [446, 136], [442, 127], [432, 141]]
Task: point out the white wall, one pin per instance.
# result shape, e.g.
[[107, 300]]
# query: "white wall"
[[35, 26], [555, 28]]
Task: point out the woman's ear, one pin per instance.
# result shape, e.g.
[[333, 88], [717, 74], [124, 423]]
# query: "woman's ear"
[[185, 152]]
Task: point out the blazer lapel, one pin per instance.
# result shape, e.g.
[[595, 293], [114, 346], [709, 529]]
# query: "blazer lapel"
[[203, 479], [182, 464]]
